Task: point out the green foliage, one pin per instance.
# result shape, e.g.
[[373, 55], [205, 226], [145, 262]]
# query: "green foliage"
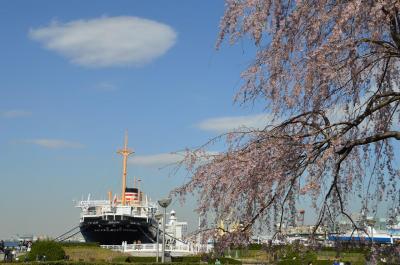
[[179, 260], [348, 249], [97, 263], [136, 259], [314, 262], [50, 249], [224, 260], [252, 246], [298, 255], [255, 247], [187, 259]]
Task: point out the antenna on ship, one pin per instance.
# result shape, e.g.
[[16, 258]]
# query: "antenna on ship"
[[125, 153], [138, 189]]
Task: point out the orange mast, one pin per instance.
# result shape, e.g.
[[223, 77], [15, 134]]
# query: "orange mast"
[[125, 153]]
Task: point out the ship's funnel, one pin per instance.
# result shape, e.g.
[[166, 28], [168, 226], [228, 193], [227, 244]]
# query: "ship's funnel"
[[131, 195]]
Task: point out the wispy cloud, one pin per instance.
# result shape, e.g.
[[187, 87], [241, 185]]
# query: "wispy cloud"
[[157, 159], [107, 41], [224, 124], [15, 114], [106, 87], [162, 159], [54, 143]]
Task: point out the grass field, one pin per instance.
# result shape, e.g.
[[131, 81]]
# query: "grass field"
[[322, 257], [293, 257], [352, 257], [92, 253]]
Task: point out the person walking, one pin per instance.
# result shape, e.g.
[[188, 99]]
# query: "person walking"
[[29, 246], [2, 246], [6, 254], [13, 254]]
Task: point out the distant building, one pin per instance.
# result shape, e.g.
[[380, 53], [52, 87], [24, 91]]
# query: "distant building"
[[25, 237], [178, 230], [304, 230]]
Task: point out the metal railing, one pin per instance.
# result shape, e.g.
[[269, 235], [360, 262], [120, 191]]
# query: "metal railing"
[[151, 248]]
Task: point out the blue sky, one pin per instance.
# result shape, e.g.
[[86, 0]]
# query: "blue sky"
[[76, 74]]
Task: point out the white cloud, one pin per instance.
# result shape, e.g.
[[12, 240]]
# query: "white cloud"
[[15, 114], [224, 124], [340, 112], [162, 159], [107, 41], [54, 143]]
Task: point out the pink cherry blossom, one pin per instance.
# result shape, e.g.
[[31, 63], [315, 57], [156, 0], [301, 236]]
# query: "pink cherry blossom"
[[330, 70]]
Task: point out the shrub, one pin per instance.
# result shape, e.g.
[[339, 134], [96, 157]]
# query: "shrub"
[[49, 249]]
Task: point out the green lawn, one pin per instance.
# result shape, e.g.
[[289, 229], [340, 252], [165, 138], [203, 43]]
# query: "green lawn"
[[93, 254], [287, 255], [317, 257]]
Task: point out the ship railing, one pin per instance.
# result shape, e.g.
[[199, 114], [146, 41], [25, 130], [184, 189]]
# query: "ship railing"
[[88, 203], [89, 213]]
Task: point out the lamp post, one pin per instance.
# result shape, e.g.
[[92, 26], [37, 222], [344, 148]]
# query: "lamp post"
[[158, 218], [164, 204], [371, 224]]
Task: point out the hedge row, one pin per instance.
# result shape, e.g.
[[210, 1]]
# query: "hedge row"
[[223, 261], [285, 262], [180, 260], [314, 262]]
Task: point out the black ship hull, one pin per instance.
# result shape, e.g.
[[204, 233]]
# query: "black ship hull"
[[114, 232]]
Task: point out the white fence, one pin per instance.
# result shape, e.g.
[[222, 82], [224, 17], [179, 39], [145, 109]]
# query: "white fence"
[[151, 249]]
